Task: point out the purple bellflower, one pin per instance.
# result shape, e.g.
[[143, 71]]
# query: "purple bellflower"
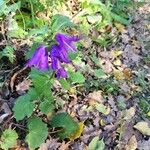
[[59, 53], [39, 59]]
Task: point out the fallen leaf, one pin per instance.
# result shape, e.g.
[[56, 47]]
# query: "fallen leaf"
[[127, 73], [116, 53], [96, 96], [50, 144], [120, 27], [117, 62], [78, 132], [129, 113], [118, 74], [143, 128], [102, 108], [132, 144], [64, 146], [96, 144], [23, 86]]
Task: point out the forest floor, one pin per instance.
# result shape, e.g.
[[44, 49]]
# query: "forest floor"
[[116, 107]]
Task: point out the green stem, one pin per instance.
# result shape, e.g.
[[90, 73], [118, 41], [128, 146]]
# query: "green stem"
[[32, 12]]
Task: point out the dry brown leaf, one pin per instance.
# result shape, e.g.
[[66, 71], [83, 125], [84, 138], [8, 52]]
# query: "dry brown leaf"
[[120, 27], [23, 86], [116, 53], [118, 74], [117, 62], [96, 96], [64, 146], [13, 78], [143, 128], [127, 73], [132, 144], [50, 144]]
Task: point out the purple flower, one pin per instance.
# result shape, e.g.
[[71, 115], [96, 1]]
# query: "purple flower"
[[39, 59], [59, 53], [62, 73], [66, 42]]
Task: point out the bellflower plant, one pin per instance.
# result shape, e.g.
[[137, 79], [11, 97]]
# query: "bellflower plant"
[[39, 59], [58, 54]]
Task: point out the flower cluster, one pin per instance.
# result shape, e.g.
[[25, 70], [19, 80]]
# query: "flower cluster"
[[58, 55]]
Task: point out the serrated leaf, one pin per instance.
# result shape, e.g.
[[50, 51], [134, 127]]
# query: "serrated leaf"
[[66, 122], [23, 107], [96, 144], [8, 51], [47, 106], [77, 77], [38, 132], [99, 73], [40, 31], [8, 139], [64, 84], [60, 22], [42, 82]]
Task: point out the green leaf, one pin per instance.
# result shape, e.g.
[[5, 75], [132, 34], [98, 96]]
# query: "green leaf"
[[120, 19], [47, 106], [17, 33], [101, 108], [64, 84], [33, 94], [72, 55], [95, 60], [99, 73], [96, 144], [3, 6], [23, 107], [14, 7], [40, 31], [8, 139], [59, 22], [77, 77], [8, 51], [41, 82], [66, 122], [38, 132]]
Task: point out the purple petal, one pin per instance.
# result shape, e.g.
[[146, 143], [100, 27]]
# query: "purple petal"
[[55, 63], [61, 54], [66, 41], [39, 59], [36, 56], [43, 64], [62, 73]]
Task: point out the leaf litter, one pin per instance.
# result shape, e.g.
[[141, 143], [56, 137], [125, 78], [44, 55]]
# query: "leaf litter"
[[118, 120]]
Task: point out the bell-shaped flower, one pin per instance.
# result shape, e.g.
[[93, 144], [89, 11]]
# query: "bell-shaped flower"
[[59, 53], [39, 59], [61, 73], [66, 42]]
